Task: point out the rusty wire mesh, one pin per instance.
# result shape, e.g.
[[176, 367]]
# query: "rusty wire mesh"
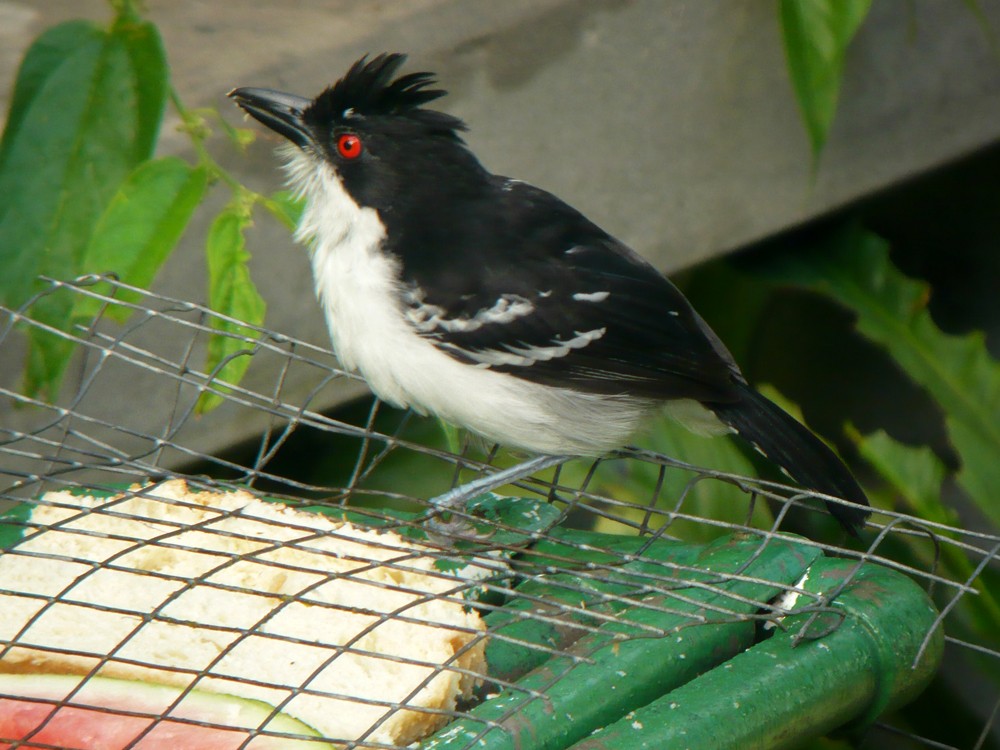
[[129, 414]]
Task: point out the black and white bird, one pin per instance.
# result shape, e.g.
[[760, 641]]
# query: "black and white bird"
[[495, 305]]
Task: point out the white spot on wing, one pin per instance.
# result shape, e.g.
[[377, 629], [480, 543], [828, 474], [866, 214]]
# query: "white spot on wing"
[[525, 356], [427, 317], [591, 296]]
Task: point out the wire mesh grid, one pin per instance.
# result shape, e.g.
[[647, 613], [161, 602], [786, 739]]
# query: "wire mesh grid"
[[136, 548]]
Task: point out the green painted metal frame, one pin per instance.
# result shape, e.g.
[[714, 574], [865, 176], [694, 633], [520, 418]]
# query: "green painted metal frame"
[[708, 685]]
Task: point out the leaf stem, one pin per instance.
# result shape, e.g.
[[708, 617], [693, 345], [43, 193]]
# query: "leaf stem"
[[195, 124], [126, 10]]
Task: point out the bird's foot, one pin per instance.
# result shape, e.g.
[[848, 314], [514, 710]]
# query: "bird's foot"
[[456, 500]]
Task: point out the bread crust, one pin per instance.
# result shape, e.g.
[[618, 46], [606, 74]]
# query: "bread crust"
[[334, 623]]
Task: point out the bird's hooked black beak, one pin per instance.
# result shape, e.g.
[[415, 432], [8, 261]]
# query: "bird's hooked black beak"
[[281, 112]]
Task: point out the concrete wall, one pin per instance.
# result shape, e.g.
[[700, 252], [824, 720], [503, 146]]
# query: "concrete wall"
[[670, 123]]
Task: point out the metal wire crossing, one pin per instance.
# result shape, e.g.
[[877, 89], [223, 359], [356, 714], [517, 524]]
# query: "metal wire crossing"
[[571, 560]]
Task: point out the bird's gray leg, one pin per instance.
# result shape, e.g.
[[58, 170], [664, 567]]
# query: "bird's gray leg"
[[457, 497]]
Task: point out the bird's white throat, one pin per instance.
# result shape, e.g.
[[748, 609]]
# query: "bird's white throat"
[[356, 283]]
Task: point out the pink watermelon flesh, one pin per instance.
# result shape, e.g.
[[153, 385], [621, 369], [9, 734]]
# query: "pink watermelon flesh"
[[118, 714]]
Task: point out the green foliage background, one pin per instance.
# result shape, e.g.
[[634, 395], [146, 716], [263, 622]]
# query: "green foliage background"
[[83, 193]]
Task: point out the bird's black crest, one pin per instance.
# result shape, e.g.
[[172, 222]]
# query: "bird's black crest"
[[368, 90]]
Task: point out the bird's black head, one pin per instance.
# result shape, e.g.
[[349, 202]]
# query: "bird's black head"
[[373, 130]]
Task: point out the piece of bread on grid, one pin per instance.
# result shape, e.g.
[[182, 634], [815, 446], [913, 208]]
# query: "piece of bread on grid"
[[332, 623]]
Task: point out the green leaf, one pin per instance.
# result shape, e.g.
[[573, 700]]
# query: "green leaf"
[[44, 56], [43, 162], [286, 207], [636, 482], [452, 436], [816, 34], [710, 499], [140, 227], [916, 475], [853, 268], [715, 290], [79, 125], [233, 294], [151, 79]]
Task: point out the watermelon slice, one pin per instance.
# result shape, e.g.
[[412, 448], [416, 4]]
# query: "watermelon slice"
[[43, 711]]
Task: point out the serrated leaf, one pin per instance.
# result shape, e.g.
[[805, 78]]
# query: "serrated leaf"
[[853, 268], [73, 136], [816, 34], [915, 474], [140, 227], [233, 294]]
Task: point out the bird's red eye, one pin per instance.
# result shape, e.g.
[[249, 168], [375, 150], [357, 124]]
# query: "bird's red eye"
[[349, 146]]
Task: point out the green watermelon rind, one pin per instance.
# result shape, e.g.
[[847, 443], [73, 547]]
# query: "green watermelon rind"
[[215, 710]]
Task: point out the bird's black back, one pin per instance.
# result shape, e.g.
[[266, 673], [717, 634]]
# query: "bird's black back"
[[464, 252]]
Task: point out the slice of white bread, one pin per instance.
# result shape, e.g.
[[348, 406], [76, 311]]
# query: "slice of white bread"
[[334, 624]]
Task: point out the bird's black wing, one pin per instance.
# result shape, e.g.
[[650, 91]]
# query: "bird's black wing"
[[552, 298], [549, 297]]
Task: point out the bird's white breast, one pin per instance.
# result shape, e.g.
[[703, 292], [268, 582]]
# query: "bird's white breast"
[[361, 292]]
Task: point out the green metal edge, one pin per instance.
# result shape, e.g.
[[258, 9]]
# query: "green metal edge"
[[550, 611], [846, 666], [624, 665]]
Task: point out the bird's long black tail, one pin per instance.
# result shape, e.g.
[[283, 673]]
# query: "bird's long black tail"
[[803, 456]]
